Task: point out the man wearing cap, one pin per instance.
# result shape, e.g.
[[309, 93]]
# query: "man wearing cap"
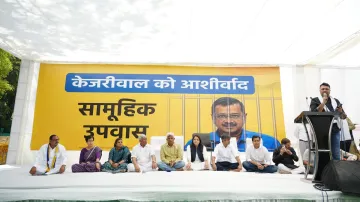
[[171, 155]]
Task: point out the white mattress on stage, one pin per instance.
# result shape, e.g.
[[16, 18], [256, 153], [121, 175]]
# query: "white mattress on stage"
[[17, 184]]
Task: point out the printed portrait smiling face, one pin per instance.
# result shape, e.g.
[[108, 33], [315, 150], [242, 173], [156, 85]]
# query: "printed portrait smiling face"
[[229, 119]]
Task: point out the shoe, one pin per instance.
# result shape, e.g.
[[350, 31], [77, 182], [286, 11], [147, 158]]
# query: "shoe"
[[284, 172]]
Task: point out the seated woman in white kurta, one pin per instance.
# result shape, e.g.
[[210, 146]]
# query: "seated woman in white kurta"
[[197, 157], [51, 158]]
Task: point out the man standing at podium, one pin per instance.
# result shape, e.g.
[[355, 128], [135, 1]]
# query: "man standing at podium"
[[327, 103]]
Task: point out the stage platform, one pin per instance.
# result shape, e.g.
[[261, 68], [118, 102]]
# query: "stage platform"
[[17, 185]]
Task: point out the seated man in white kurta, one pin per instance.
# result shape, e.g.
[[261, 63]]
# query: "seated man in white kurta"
[[51, 158], [142, 156]]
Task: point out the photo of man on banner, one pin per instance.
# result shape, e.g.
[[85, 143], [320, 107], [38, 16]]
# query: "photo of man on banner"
[[228, 115]]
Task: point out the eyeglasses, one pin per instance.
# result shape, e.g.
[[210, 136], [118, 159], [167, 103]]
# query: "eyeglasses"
[[228, 116]]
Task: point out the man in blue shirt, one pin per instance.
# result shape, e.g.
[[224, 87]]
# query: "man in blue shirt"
[[229, 116]]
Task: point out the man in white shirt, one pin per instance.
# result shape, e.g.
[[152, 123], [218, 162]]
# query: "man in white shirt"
[[51, 158], [300, 133], [142, 156], [258, 158], [226, 156], [307, 161], [345, 136]]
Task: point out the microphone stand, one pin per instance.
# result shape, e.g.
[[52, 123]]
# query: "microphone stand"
[[307, 103]]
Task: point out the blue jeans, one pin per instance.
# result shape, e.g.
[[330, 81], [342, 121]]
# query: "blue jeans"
[[335, 145], [253, 168], [163, 166]]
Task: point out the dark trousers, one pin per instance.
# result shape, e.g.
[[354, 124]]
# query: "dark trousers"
[[249, 167], [226, 166], [345, 145]]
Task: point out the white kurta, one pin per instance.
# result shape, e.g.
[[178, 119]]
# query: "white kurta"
[[197, 164], [345, 133], [259, 155], [41, 159], [300, 131], [143, 157], [225, 154]]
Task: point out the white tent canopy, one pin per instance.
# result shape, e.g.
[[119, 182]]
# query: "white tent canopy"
[[222, 32], [312, 41]]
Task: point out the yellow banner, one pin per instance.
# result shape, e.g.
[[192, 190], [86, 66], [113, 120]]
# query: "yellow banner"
[[109, 101]]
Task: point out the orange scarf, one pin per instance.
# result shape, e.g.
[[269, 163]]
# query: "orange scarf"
[[53, 159]]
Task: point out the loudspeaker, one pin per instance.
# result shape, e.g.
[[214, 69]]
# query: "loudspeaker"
[[342, 176]]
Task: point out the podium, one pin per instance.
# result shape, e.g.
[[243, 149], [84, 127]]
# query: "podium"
[[321, 124]]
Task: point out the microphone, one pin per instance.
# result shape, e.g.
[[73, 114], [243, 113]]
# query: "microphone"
[[307, 102], [325, 95]]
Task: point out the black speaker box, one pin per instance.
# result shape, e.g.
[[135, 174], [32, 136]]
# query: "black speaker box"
[[342, 176]]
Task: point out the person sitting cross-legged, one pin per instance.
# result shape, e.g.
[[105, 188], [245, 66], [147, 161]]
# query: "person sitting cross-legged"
[[197, 155], [258, 158], [143, 157], [171, 155], [284, 157], [226, 157], [89, 157], [118, 158], [51, 158]]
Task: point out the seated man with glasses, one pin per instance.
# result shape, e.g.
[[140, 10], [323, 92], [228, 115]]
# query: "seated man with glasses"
[[51, 158], [171, 155]]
